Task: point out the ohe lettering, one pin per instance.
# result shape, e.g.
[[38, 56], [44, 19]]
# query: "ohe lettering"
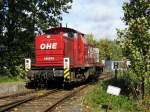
[[48, 46]]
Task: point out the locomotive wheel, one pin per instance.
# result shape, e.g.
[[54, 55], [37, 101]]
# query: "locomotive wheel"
[[31, 85], [67, 85]]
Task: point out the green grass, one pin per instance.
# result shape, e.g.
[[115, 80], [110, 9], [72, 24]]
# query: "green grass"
[[97, 98], [4, 79]]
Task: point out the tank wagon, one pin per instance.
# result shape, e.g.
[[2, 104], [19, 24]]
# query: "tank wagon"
[[62, 54]]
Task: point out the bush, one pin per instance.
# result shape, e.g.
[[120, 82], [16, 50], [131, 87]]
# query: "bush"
[[98, 97], [15, 73]]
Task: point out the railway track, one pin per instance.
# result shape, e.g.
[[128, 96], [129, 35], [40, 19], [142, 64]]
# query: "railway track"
[[106, 76], [64, 98], [9, 103], [40, 101]]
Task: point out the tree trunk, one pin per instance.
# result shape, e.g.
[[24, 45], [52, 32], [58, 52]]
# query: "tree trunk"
[[143, 87], [143, 80]]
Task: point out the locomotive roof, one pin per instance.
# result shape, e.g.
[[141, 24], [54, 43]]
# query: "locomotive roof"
[[62, 29]]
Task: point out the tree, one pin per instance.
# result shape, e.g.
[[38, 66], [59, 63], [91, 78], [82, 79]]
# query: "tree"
[[109, 50], [20, 20], [105, 48], [135, 39], [90, 39]]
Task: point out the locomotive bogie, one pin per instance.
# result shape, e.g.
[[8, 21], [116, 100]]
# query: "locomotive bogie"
[[73, 75]]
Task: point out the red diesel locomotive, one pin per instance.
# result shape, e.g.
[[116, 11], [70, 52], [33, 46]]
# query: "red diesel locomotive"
[[62, 54]]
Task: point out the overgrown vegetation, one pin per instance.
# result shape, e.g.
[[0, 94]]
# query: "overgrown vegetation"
[[18, 74], [97, 99]]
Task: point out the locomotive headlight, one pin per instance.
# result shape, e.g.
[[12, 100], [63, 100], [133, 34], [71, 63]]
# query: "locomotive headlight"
[[27, 64]]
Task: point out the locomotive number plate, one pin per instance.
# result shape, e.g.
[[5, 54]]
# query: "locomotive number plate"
[[48, 58]]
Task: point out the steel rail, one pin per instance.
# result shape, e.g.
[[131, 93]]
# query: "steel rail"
[[67, 96], [106, 76]]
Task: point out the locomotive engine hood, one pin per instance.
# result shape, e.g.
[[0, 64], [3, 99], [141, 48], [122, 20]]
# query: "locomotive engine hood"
[[49, 50]]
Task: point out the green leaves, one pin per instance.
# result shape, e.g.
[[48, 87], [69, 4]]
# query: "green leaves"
[[20, 20], [109, 49], [135, 39]]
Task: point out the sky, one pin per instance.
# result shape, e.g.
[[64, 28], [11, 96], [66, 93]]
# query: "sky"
[[99, 17]]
